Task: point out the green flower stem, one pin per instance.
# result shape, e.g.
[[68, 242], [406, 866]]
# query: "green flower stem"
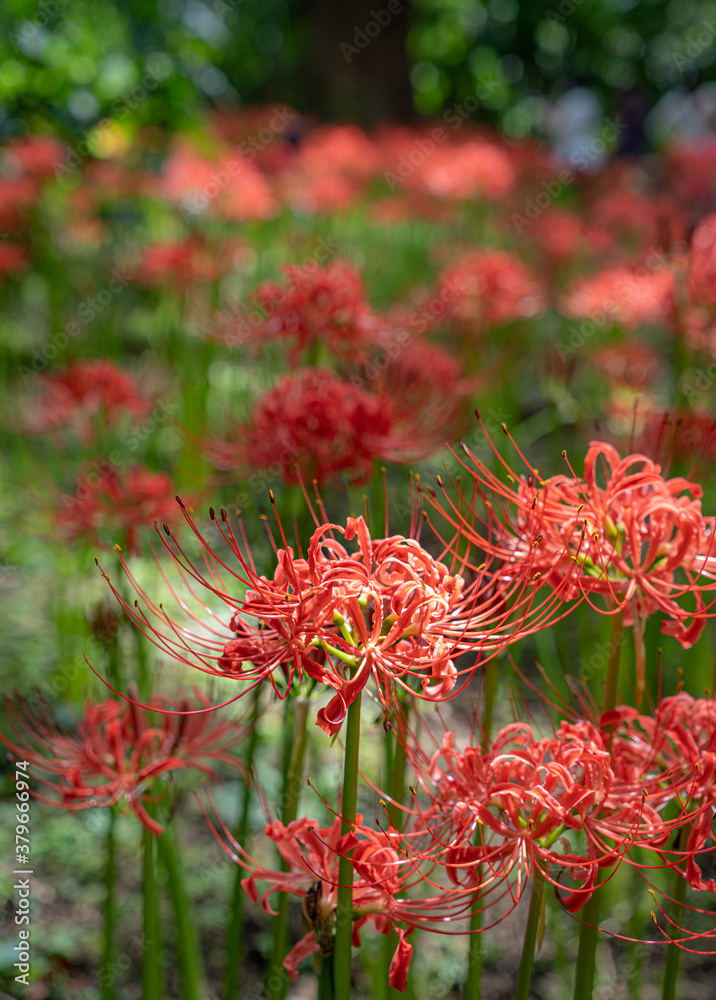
[[195, 394], [110, 874], [325, 979], [524, 976], [395, 770], [188, 947], [673, 954], [294, 753], [152, 945], [344, 908], [473, 983], [108, 944], [235, 936], [616, 641], [142, 676], [586, 957], [589, 914]]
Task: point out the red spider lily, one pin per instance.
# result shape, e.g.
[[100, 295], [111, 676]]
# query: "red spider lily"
[[691, 165], [632, 297], [558, 233], [183, 263], [330, 170], [119, 749], [313, 193], [498, 814], [388, 610], [627, 541], [84, 393], [383, 879], [493, 288], [623, 220], [699, 317], [318, 306], [37, 155], [104, 501], [424, 414], [17, 195], [343, 149], [325, 427], [230, 186], [476, 169], [12, 259], [312, 421], [634, 364], [673, 754]]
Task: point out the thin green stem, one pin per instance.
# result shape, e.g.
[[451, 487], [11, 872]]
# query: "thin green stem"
[[616, 641], [294, 753], [395, 770], [634, 963], [344, 907], [589, 914], [325, 979], [586, 957], [187, 939], [235, 936], [152, 945], [473, 983], [108, 945], [673, 954], [524, 976]]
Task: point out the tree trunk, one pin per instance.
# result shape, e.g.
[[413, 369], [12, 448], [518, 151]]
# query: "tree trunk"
[[357, 59]]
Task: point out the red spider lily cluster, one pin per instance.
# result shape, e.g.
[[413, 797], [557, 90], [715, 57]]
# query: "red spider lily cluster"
[[321, 372], [313, 421], [388, 610], [84, 396], [572, 805], [384, 878], [119, 750], [185, 263], [640, 541], [324, 427], [108, 502]]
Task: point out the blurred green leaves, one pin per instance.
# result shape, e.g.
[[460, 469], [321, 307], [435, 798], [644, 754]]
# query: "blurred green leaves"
[[70, 63]]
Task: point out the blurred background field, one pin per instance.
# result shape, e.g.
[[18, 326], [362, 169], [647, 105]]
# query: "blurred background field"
[[310, 242]]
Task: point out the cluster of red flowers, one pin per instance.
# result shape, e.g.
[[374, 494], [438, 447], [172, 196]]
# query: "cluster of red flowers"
[[109, 500], [119, 750], [184, 263], [640, 541], [384, 877], [84, 395], [619, 786], [493, 288], [389, 611], [318, 307], [26, 166]]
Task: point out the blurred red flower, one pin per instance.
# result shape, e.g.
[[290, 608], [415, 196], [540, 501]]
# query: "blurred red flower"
[[186, 262], [318, 307], [489, 288], [312, 422], [119, 749], [631, 297], [107, 501], [85, 396]]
